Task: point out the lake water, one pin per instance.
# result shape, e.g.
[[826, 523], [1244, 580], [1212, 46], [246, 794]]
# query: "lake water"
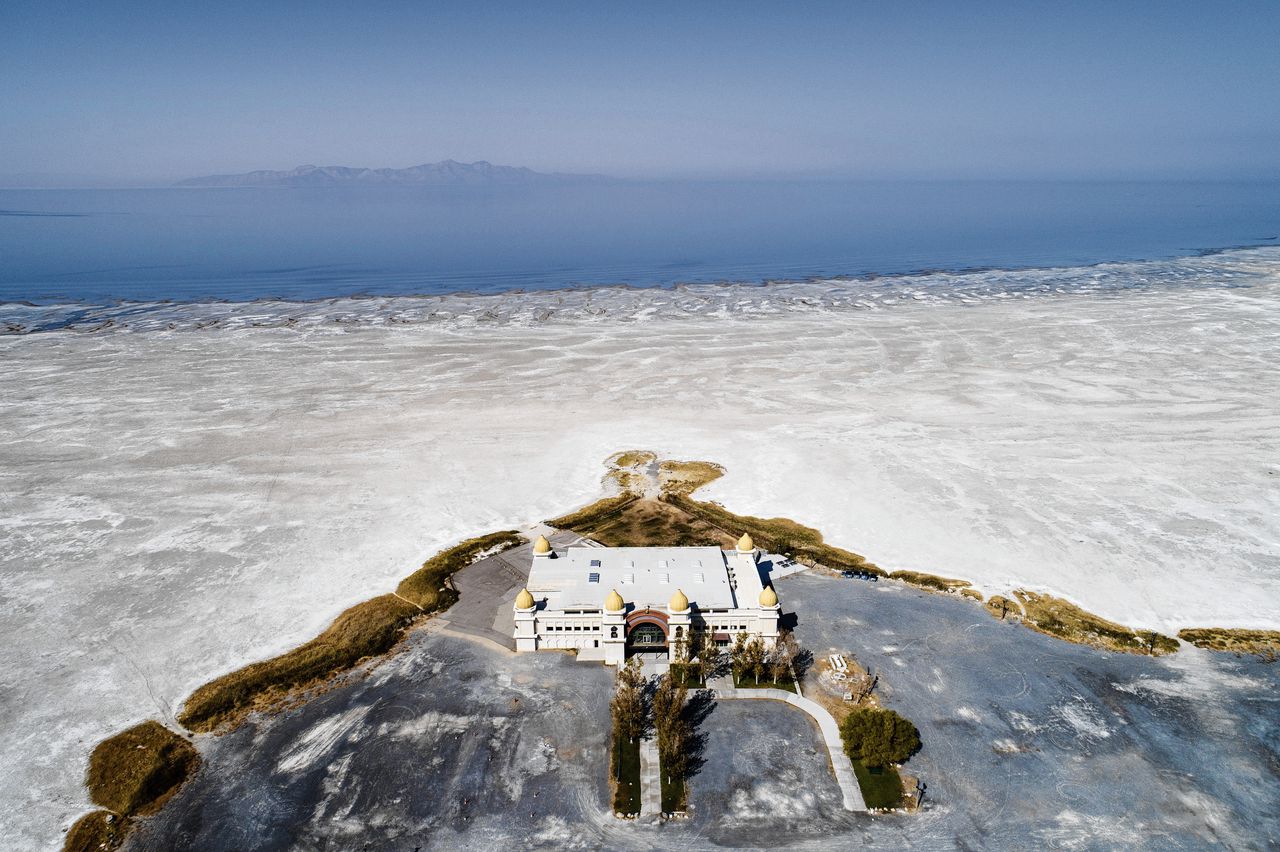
[[300, 244]]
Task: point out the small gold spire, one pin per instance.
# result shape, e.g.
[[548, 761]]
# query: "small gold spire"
[[745, 544], [524, 600], [768, 597], [541, 547]]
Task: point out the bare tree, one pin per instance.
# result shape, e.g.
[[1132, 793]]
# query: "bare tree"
[[668, 703], [629, 707], [755, 658], [672, 726], [706, 655], [782, 656], [738, 661]]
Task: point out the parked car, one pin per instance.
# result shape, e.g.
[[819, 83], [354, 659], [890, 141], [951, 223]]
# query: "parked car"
[[848, 575]]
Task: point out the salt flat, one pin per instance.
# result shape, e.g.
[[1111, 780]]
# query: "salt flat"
[[176, 503]]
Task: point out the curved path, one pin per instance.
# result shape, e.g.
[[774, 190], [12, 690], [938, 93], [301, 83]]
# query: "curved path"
[[840, 763]]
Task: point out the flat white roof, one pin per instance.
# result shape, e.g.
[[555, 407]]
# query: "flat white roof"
[[582, 577]]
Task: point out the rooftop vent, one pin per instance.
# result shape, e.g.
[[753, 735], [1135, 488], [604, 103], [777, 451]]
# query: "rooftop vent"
[[593, 577], [595, 563], [662, 563], [664, 578], [628, 579], [699, 577]]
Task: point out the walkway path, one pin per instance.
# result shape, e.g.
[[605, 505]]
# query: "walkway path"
[[840, 764], [650, 782]]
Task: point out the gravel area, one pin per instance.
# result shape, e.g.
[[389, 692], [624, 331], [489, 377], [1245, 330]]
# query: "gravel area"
[[1029, 743]]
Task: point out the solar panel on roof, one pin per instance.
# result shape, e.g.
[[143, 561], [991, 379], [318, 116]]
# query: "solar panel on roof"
[[593, 577]]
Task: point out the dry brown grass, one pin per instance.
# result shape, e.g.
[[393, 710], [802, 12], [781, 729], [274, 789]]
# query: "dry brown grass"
[[644, 523], [686, 477], [1236, 640], [632, 458], [931, 582], [776, 535], [365, 630], [591, 516], [1003, 607], [135, 771], [1065, 620], [97, 831]]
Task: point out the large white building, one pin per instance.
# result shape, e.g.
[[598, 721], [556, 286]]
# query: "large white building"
[[607, 602]]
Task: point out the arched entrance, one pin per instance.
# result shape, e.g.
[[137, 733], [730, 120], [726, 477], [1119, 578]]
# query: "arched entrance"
[[647, 631], [647, 637]]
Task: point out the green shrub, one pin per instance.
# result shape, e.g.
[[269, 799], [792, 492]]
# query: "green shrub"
[[878, 737]]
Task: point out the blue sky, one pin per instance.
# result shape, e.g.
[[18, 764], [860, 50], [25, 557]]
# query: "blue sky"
[[128, 92]]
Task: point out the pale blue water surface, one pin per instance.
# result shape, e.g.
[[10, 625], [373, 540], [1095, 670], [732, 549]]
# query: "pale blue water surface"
[[309, 243]]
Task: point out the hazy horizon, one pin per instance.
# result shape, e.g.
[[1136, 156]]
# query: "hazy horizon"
[[133, 93]]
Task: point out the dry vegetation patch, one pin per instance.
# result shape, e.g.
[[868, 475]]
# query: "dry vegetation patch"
[[776, 535], [428, 586], [135, 771], [933, 583], [597, 514], [633, 458], [1003, 607], [685, 477], [96, 831], [365, 630], [1057, 617], [368, 628], [1237, 640], [646, 523]]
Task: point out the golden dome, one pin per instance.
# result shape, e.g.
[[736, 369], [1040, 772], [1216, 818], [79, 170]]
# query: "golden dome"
[[679, 603], [524, 600], [541, 547], [745, 544], [768, 597], [614, 602]]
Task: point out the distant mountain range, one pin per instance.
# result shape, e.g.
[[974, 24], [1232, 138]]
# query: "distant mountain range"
[[445, 173]]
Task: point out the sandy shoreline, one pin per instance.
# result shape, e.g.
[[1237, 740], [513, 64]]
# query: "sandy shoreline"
[[175, 505]]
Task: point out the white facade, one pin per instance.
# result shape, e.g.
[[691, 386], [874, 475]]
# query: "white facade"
[[605, 602]]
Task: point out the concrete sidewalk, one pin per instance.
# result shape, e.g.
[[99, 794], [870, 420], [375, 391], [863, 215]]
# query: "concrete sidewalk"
[[650, 778], [840, 764]]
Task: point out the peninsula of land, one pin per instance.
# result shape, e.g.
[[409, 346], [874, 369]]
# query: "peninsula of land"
[[134, 774]]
